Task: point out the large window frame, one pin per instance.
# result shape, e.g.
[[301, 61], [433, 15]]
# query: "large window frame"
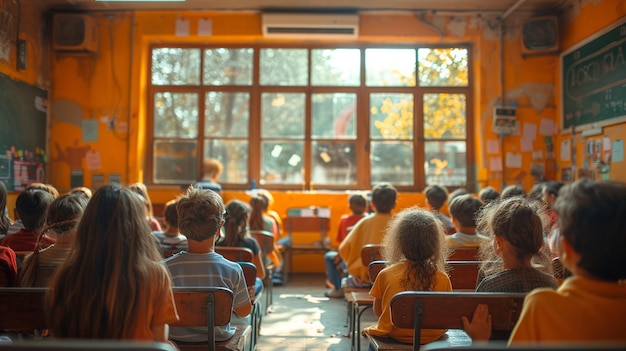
[[362, 142]]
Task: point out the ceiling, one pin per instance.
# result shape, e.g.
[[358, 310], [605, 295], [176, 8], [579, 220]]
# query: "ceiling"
[[532, 7]]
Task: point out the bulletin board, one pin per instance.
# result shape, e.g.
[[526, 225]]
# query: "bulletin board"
[[23, 124], [593, 79], [618, 168]]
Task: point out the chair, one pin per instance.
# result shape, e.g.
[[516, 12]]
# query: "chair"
[[365, 300], [249, 273], [463, 274], [433, 310], [210, 307], [371, 253], [266, 242], [235, 254], [464, 254], [297, 228]]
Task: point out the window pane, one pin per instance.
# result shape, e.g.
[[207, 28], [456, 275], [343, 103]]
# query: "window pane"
[[281, 162], [175, 115], [282, 115], [334, 163], [334, 116], [175, 66], [392, 162], [443, 67], [390, 67], [228, 66], [234, 156], [391, 116], [444, 116], [445, 162], [284, 67], [226, 114], [174, 161], [336, 67]]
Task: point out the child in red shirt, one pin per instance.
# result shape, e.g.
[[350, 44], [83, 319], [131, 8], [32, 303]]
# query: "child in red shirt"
[[358, 205]]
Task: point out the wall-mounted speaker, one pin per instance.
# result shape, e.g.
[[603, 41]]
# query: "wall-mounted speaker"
[[540, 35], [74, 33]]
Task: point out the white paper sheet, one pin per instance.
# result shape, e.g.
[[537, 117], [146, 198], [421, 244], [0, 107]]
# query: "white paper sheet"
[[493, 146], [513, 160], [546, 127], [495, 164], [566, 150]]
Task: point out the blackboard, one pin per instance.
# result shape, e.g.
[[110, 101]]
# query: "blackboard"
[[594, 79], [22, 126]]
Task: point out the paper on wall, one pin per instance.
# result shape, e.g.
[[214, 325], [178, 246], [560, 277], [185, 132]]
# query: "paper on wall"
[[566, 150], [93, 160], [546, 127], [530, 131], [513, 160], [493, 146], [182, 27], [526, 144], [495, 164], [618, 151]]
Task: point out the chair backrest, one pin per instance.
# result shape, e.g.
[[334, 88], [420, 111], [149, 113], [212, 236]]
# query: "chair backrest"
[[371, 253], [22, 308], [443, 310], [463, 274], [235, 254], [203, 306], [84, 344], [464, 254], [249, 273], [44, 273], [375, 267], [265, 240]]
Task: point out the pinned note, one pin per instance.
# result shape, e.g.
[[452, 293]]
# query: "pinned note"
[[513, 160]]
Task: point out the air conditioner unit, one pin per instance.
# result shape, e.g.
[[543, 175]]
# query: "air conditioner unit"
[[540, 35], [74, 33], [310, 26]]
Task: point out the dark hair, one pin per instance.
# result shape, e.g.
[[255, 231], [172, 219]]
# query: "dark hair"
[[45, 187], [5, 221], [464, 208], [488, 194], [169, 213], [358, 203], [384, 197], [200, 213], [258, 205], [236, 223], [536, 192], [436, 196], [552, 187], [456, 193], [31, 206], [592, 217], [511, 191]]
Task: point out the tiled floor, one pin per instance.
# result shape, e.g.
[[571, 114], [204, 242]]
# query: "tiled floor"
[[303, 319]]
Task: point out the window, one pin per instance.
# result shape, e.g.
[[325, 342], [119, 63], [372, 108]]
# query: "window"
[[312, 117]]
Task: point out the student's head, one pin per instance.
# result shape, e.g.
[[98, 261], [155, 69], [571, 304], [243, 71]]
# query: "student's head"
[[550, 191], [237, 213], [418, 236], [200, 214], [463, 209], [4, 220], [384, 197], [512, 191], [170, 215], [536, 192], [357, 203], [258, 206], [31, 205], [269, 198], [516, 221], [211, 168], [592, 218], [45, 187], [65, 212], [142, 190], [436, 196], [488, 194], [455, 193], [82, 191]]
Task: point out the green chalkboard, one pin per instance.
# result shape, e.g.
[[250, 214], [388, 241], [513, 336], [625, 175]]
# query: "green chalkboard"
[[594, 79], [22, 126]]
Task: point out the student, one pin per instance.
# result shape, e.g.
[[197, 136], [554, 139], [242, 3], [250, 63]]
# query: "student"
[[5, 221], [511, 256], [436, 197], [488, 194], [112, 286], [8, 267], [31, 206], [549, 193], [358, 206], [82, 191], [170, 240], [260, 220], [512, 190], [415, 249], [211, 171], [200, 217], [463, 210], [236, 235], [589, 306], [369, 230], [142, 190], [61, 221]]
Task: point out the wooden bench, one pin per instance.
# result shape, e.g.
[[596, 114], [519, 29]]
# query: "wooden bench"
[[235, 254], [196, 306], [463, 274], [464, 254], [443, 310]]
